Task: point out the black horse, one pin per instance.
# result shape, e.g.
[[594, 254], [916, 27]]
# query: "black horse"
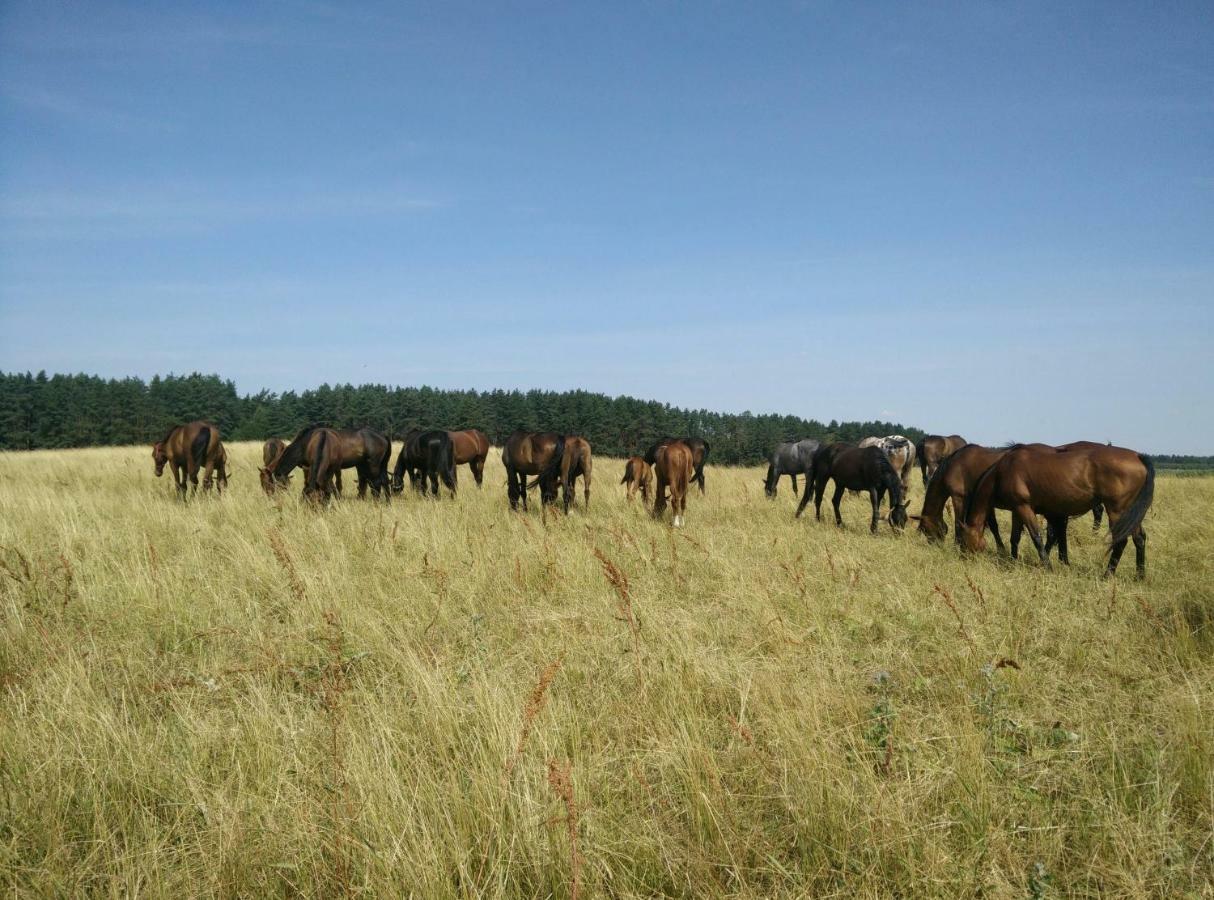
[[427, 456], [856, 469], [791, 459], [699, 454]]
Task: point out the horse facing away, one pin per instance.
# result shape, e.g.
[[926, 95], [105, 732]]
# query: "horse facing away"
[[470, 447], [674, 466], [1064, 482], [791, 458], [638, 475], [901, 453], [857, 469], [188, 448], [366, 451], [427, 456], [934, 449], [532, 453], [699, 454]]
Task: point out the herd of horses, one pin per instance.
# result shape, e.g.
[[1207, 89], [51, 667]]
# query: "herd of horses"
[[1029, 480]]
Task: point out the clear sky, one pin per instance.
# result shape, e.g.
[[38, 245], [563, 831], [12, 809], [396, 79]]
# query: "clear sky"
[[989, 218]]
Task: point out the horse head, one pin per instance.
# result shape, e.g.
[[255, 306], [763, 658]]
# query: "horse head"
[[972, 539], [897, 517], [159, 457]]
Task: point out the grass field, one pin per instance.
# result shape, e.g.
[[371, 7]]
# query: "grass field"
[[246, 697]]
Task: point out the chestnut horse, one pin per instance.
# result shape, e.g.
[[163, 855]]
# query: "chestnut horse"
[[638, 474], [953, 479], [699, 454], [364, 450], [575, 461], [857, 469], [1064, 482], [532, 453], [674, 465], [186, 449], [472, 447], [933, 449]]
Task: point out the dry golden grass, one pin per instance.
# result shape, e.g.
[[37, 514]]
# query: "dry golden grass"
[[253, 697]]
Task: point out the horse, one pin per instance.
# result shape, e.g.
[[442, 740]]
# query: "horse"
[[699, 454], [186, 449], [532, 453], [426, 456], [674, 464], [366, 451], [857, 469], [933, 449], [1064, 482], [791, 459], [575, 461], [953, 479], [901, 453], [271, 483], [472, 447], [638, 474]]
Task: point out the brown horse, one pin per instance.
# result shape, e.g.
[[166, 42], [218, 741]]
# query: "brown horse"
[[935, 448], [638, 475], [575, 461], [471, 447], [532, 453], [186, 449], [269, 483], [953, 479], [364, 450], [699, 454], [674, 464], [1064, 482]]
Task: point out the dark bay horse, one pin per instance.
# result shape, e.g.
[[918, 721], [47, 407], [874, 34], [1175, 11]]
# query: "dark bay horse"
[[1063, 482], [532, 453], [638, 474], [674, 466], [953, 479], [472, 447], [361, 449], [188, 448], [857, 469], [933, 449], [791, 458], [699, 454], [427, 456]]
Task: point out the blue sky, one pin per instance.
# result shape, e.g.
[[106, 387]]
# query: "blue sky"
[[989, 218]]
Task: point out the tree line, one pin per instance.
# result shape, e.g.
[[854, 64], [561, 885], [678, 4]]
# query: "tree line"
[[41, 411]]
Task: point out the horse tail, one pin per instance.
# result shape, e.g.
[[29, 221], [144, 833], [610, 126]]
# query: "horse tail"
[[200, 446], [320, 465], [1134, 516]]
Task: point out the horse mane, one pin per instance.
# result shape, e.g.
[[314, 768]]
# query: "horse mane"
[[169, 434], [303, 432]]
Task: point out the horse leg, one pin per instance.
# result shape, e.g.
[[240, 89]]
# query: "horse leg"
[[659, 499], [793, 476], [805, 498], [993, 524], [835, 503], [208, 477], [1097, 515], [1017, 531], [511, 488], [1140, 552], [875, 498], [1058, 527], [1025, 513], [478, 470], [819, 493], [586, 488], [179, 479]]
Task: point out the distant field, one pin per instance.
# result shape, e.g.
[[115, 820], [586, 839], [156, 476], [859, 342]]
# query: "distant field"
[[258, 698]]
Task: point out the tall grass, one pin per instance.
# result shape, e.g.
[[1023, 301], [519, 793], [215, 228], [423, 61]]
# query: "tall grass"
[[245, 696]]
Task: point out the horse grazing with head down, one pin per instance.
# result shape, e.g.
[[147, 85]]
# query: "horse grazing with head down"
[[532, 453], [953, 479], [575, 461], [674, 465], [427, 456], [934, 449], [791, 458], [366, 451], [637, 476], [857, 469], [188, 448], [1063, 482], [699, 454]]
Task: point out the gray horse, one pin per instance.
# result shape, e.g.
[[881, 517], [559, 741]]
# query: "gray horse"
[[791, 459]]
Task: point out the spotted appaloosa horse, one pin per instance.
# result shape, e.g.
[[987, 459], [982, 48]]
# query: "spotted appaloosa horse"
[[900, 452]]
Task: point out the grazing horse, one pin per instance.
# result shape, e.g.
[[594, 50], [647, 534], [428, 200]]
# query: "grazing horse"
[[472, 447], [953, 479], [857, 469], [934, 449], [426, 456], [575, 461], [186, 449], [699, 454], [532, 453], [638, 474], [366, 451], [791, 459], [1064, 482], [674, 463], [901, 453]]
